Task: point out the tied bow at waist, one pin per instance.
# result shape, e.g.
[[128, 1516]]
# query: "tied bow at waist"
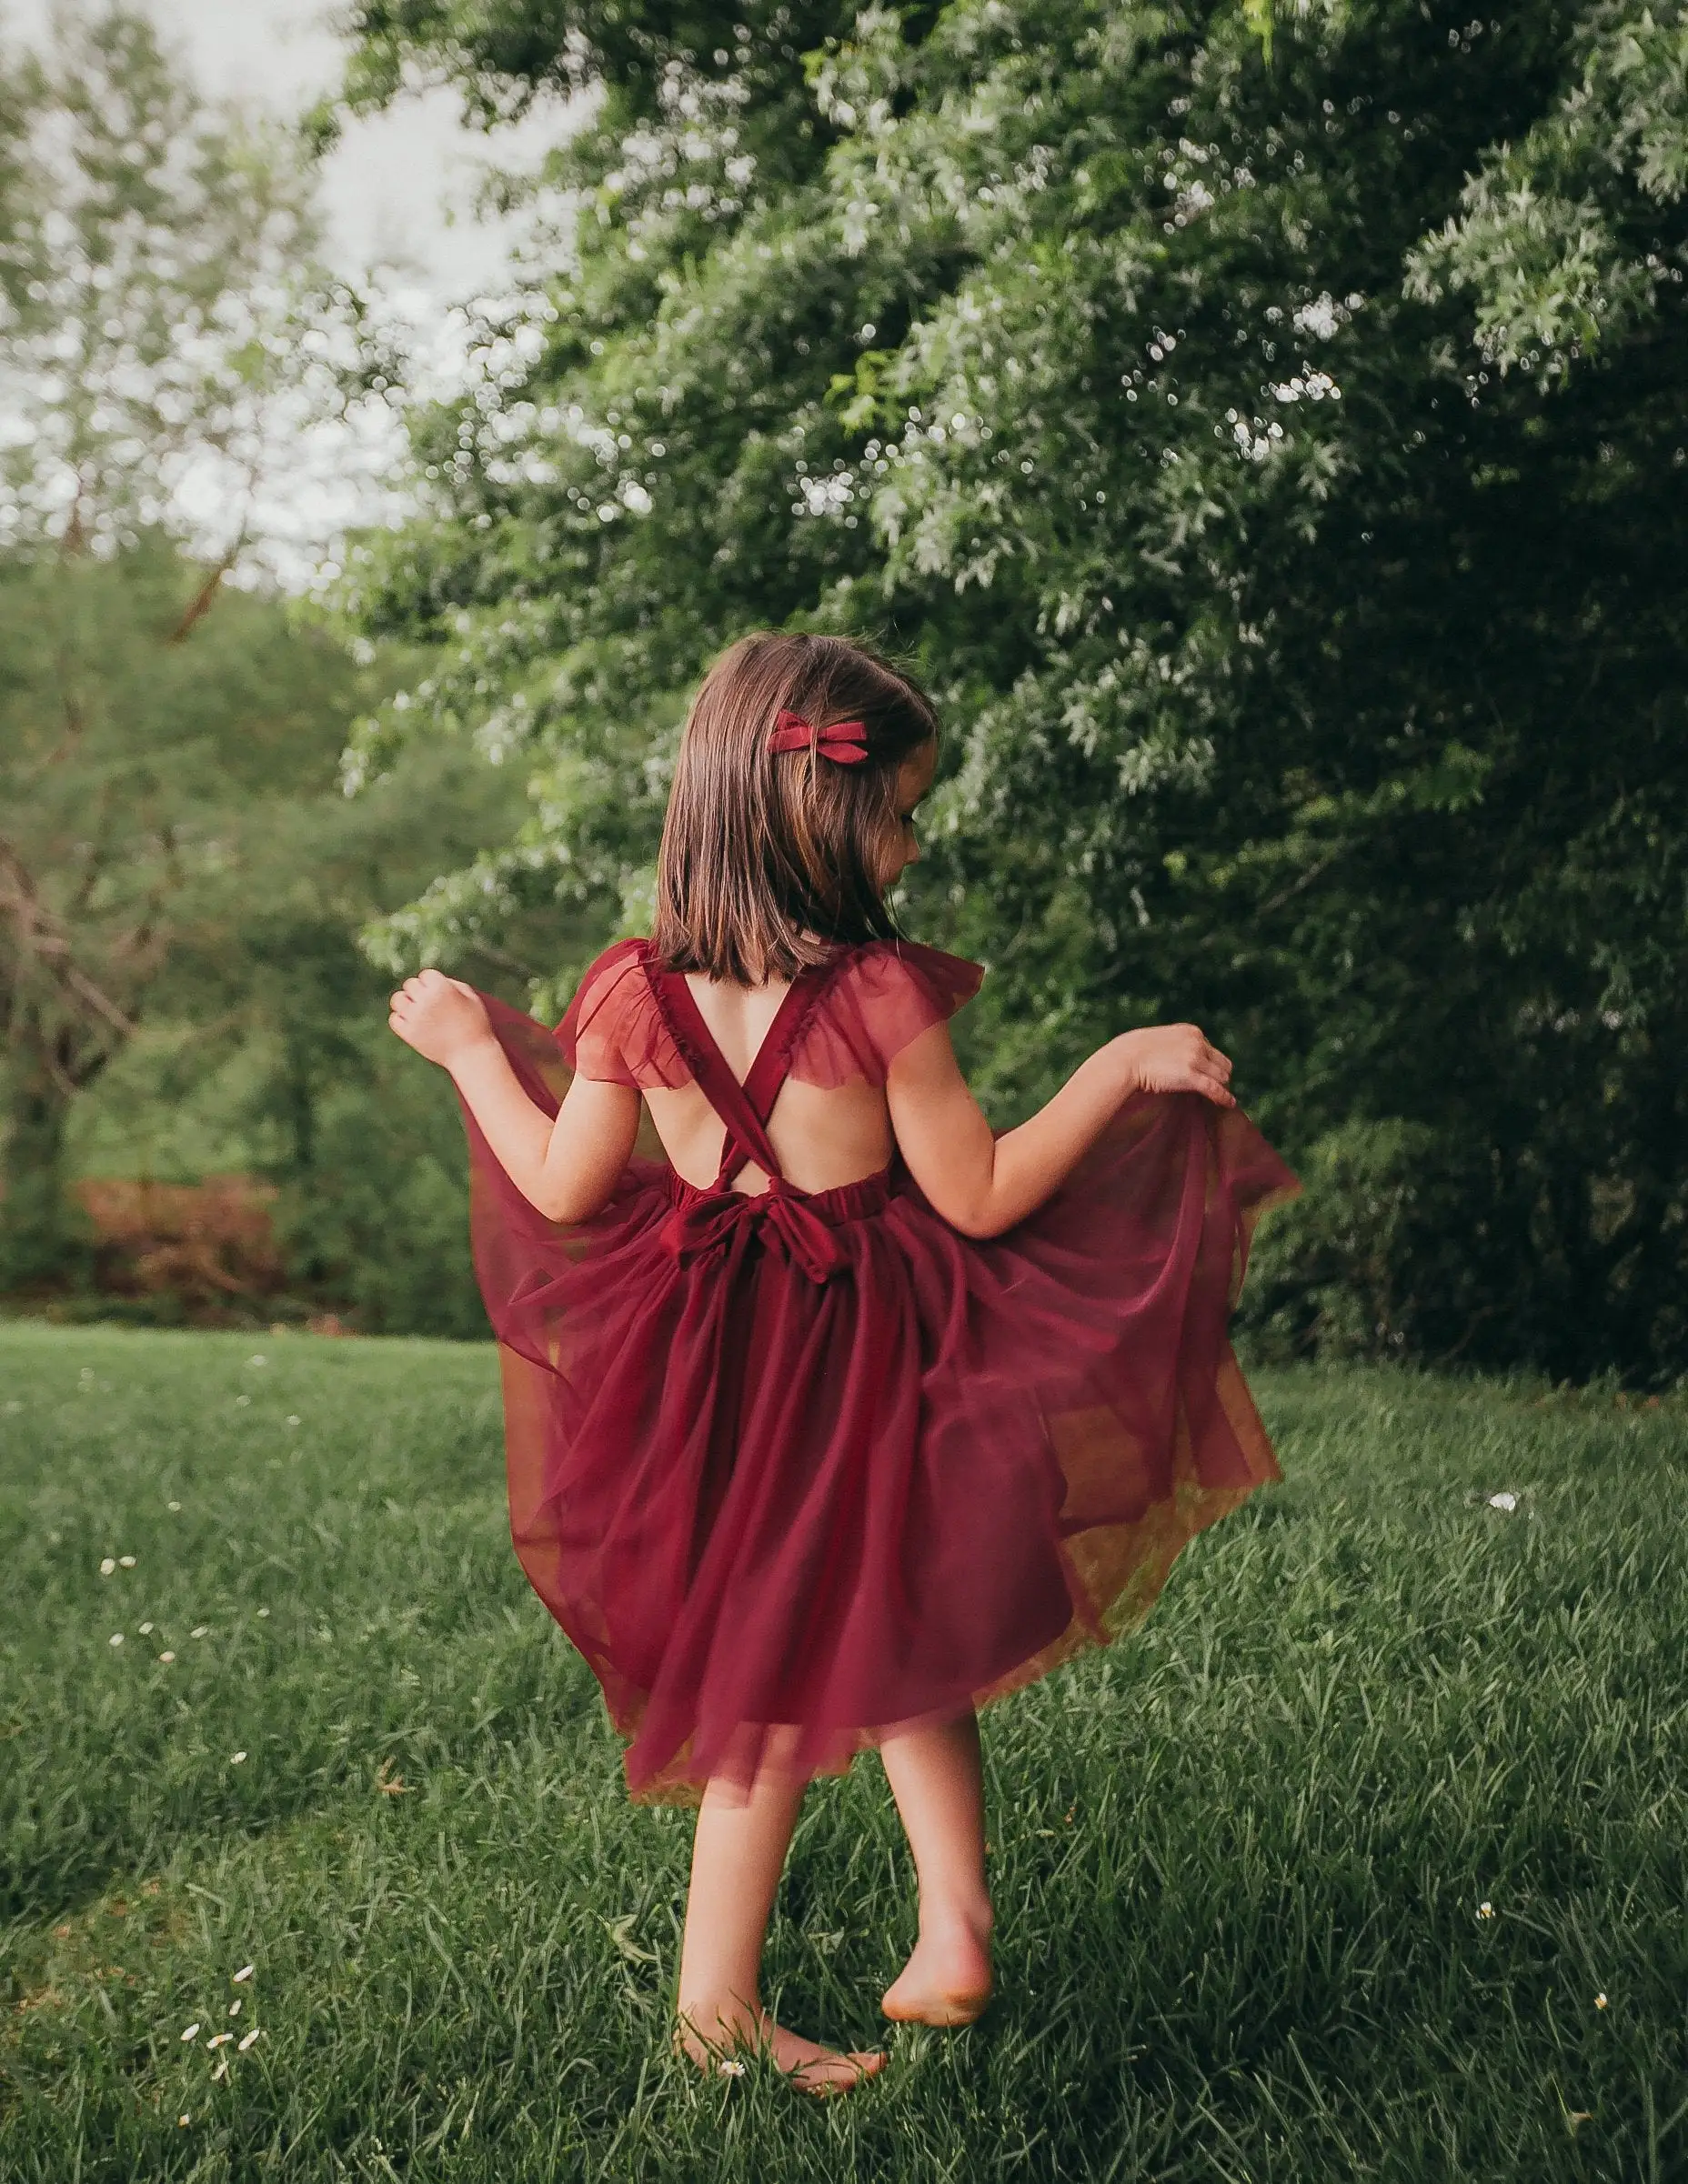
[[710, 1221]]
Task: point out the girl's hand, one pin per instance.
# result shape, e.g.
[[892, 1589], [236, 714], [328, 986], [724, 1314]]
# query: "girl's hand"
[[1175, 1058], [441, 1017]]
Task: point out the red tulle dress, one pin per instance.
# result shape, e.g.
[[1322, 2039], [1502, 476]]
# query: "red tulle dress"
[[796, 1470]]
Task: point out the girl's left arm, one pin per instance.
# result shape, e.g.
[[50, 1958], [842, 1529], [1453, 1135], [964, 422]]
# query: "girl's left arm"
[[566, 1168]]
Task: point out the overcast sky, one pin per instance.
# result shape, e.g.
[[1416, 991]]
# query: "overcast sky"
[[397, 191], [392, 187]]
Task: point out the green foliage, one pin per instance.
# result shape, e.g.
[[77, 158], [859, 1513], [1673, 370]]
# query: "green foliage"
[[180, 877], [156, 277], [1270, 451], [366, 1142], [269, 1051], [1329, 1272], [155, 265], [376, 1225], [1240, 1859], [1557, 237], [145, 746], [184, 873]]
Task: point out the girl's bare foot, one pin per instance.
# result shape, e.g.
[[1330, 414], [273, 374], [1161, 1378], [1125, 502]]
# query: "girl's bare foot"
[[718, 2039], [947, 1980]]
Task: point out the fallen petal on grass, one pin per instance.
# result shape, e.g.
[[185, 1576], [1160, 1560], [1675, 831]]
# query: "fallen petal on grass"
[[115, 1639], [125, 1562], [167, 1658], [247, 2041], [1503, 1501], [108, 1566], [237, 1758], [191, 2033], [244, 1972]]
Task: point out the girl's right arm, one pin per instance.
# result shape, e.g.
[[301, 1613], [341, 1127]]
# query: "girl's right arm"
[[982, 1184], [567, 1168]]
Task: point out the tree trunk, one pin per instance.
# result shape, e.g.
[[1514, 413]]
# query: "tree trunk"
[[44, 1240]]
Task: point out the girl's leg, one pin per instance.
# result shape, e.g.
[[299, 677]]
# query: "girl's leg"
[[737, 1856], [937, 1778]]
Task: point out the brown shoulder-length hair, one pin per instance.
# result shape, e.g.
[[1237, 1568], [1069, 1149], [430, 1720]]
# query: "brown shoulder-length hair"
[[769, 858]]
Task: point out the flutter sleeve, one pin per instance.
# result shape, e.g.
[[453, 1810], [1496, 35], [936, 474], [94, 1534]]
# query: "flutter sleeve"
[[885, 996], [613, 1032]]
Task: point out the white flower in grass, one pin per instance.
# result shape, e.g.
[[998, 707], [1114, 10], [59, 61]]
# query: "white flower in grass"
[[174, 1505], [1503, 1501], [731, 2067], [244, 1972], [191, 2033], [241, 1402], [115, 1639], [246, 2041], [1485, 1910], [184, 2121], [108, 1566], [167, 1658], [1599, 2001], [293, 1421]]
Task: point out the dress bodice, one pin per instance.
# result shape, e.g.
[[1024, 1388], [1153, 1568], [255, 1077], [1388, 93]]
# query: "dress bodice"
[[632, 1022]]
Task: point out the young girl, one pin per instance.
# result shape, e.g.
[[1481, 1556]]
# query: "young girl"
[[830, 1414]]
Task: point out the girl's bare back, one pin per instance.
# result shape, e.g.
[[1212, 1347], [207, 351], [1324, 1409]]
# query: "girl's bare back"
[[824, 1136]]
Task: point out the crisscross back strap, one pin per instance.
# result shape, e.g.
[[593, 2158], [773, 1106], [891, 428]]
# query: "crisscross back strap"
[[744, 1108]]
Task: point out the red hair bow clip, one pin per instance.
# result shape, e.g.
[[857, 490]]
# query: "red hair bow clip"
[[845, 742]]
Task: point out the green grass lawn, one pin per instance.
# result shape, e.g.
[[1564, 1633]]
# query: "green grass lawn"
[[1242, 1861]]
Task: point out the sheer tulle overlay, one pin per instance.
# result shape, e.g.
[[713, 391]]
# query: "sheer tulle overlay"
[[794, 1471]]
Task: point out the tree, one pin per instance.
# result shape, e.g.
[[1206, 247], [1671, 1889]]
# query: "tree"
[[157, 283], [1264, 432], [142, 775], [155, 269]]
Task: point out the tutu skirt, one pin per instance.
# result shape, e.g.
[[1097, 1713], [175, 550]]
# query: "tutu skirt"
[[796, 1472]]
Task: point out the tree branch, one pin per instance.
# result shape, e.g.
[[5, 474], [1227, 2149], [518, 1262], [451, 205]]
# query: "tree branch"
[[40, 937], [205, 598]]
